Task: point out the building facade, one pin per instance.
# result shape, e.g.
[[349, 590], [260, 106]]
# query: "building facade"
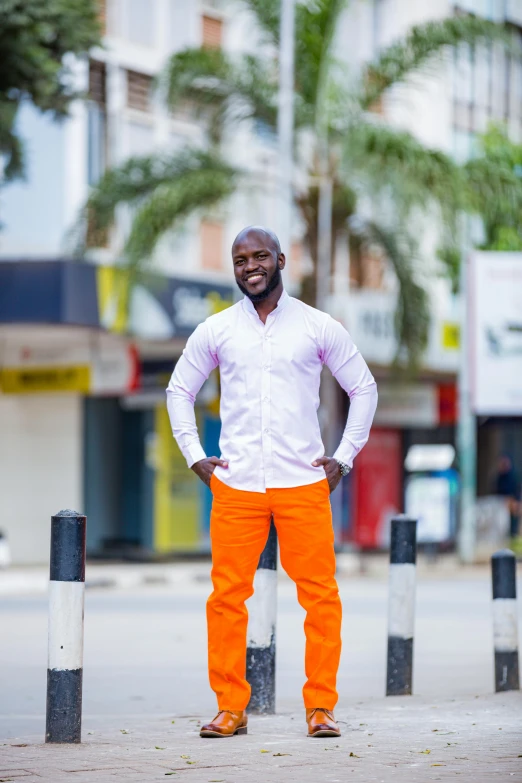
[[82, 416]]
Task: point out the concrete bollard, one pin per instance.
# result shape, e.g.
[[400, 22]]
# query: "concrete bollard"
[[261, 637], [66, 602], [401, 606], [505, 629]]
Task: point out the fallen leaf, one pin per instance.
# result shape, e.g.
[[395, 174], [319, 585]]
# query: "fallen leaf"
[[90, 732], [157, 747], [171, 773], [22, 745], [264, 751], [124, 731], [281, 754], [363, 724], [184, 757], [190, 762], [438, 765], [425, 751], [354, 755]]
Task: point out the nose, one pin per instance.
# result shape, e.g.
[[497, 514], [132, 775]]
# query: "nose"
[[251, 265]]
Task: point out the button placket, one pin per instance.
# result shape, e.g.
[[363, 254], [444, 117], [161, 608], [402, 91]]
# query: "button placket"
[[266, 438]]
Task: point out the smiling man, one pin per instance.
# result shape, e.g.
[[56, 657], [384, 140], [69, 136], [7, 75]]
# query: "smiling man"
[[270, 349]]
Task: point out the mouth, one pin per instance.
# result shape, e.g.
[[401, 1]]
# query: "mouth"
[[255, 278]]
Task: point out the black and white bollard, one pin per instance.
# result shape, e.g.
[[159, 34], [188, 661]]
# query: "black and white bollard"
[[66, 601], [401, 606], [505, 629], [261, 637]]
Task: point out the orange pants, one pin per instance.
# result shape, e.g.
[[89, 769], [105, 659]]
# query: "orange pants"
[[239, 526]]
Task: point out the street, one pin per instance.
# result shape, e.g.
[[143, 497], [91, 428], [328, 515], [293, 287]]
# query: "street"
[[145, 651]]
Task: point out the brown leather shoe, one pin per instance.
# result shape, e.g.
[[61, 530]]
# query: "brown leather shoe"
[[226, 724], [321, 723]]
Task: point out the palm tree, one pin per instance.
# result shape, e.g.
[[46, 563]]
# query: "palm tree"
[[364, 158]]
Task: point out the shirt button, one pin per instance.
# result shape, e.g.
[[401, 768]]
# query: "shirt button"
[[265, 399], [267, 430]]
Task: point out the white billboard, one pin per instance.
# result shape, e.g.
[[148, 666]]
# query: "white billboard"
[[495, 313]]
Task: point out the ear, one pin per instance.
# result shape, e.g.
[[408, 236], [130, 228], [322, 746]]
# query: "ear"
[[281, 260]]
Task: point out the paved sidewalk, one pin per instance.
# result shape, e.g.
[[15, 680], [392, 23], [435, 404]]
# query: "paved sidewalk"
[[398, 739]]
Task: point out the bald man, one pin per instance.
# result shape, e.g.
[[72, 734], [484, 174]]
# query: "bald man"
[[270, 349]]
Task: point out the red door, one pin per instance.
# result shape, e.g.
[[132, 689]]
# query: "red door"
[[377, 488]]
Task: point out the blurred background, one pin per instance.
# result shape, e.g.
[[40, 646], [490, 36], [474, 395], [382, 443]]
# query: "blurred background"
[[382, 140]]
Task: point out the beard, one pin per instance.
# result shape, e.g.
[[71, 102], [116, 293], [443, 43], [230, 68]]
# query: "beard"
[[272, 284]]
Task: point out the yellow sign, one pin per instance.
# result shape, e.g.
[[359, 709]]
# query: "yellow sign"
[[450, 336], [27, 380]]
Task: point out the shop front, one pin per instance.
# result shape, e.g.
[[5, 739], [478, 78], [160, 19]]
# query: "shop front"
[[409, 412], [83, 420]]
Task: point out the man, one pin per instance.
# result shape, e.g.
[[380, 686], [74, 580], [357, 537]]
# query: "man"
[[270, 349]]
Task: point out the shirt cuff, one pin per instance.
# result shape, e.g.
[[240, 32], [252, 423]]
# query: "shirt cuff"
[[193, 453], [346, 453]]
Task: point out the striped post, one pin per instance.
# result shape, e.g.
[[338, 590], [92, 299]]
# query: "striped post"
[[401, 606], [66, 600], [261, 649], [505, 630]]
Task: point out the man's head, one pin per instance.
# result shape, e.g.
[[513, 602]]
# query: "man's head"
[[258, 261]]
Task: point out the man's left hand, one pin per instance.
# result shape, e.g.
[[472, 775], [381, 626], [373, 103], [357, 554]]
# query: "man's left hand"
[[332, 470]]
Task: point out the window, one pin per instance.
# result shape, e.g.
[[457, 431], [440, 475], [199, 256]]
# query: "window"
[[487, 85], [138, 21], [211, 245], [139, 89], [96, 122], [212, 32], [102, 15]]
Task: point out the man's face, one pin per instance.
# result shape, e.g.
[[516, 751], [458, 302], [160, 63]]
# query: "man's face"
[[257, 267]]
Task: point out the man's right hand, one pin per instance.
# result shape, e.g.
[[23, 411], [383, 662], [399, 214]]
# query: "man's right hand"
[[205, 468]]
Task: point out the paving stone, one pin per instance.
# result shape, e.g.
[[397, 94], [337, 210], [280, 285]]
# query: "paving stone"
[[406, 739]]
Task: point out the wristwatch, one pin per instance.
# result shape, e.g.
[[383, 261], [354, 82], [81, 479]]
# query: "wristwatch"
[[343, 467]]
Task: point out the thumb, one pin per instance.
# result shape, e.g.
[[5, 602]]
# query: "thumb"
[[320, 461]]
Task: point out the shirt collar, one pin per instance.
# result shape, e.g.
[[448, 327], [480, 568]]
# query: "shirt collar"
[[281, 304]]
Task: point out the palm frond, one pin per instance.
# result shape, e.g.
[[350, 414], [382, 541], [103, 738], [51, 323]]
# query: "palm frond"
[[412, 317], [424, 41], [315, 27], [390, 157], [494, 192], [209, 80], [172, 202], [268, 14], [138, 178]]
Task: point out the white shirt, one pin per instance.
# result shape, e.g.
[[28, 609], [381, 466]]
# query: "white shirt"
[[270, 392]]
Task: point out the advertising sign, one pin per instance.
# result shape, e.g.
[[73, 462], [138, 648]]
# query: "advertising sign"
[[429, 500], [495, 293]]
